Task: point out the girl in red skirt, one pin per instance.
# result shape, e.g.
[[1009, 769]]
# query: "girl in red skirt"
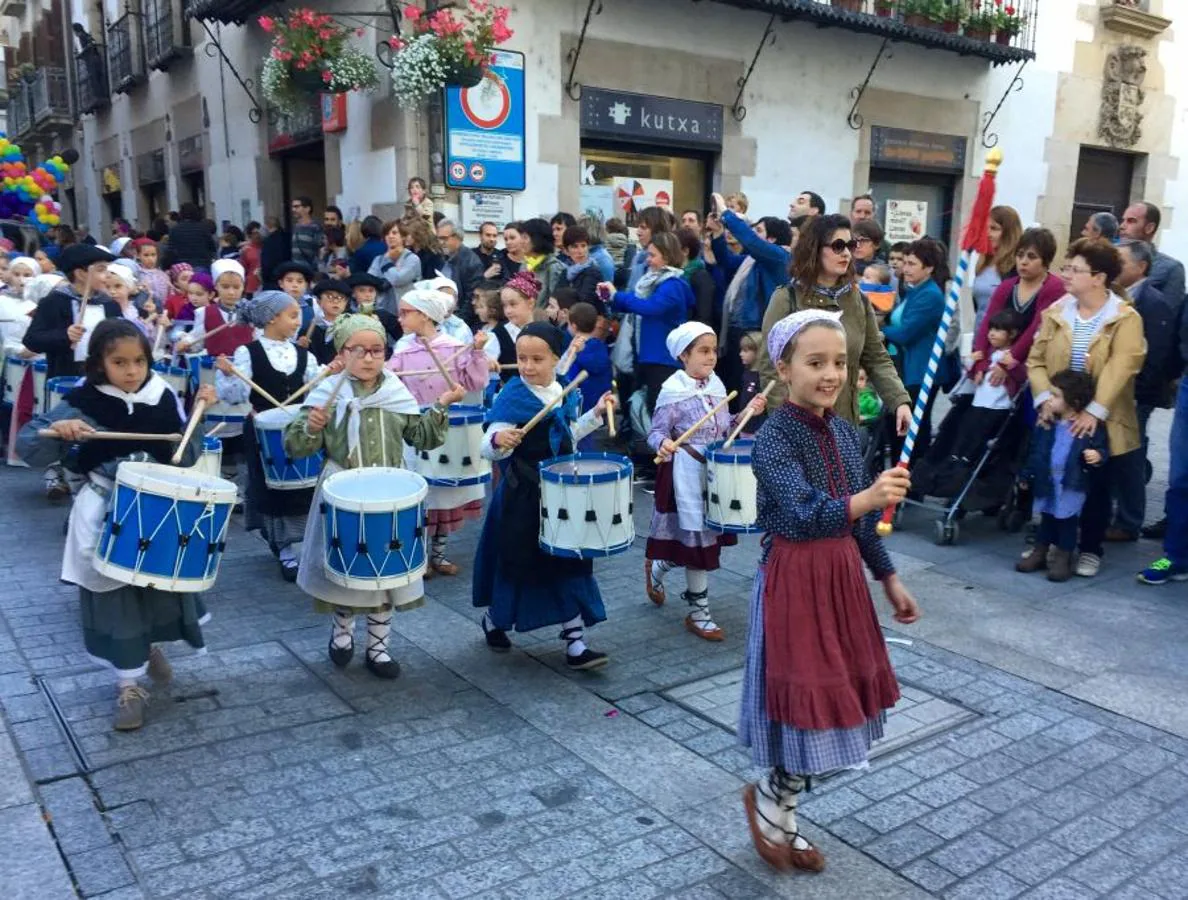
[[678, 535], [818, 681]]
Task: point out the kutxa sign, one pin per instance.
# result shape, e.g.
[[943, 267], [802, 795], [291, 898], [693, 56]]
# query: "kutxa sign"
[[640, 118]]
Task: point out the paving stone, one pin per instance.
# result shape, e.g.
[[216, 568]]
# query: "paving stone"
[[903, 845], [1004, 796], [969, 853], [883, 783], [943, 789], [956, 819], [993, 884], [991, 767], [1167, 878], [1021, 725], [853, 832], [891, 814], [1036, 862], [1061, 889], [1146, 759], [1067, 802], [1085, 834], [675, 873], [1106, 868], [979, 743], [100, 870], [928, 875], [933, 761], [832, 805], [1050, 774]]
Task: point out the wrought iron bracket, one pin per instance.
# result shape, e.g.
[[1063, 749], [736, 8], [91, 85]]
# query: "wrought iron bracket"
[[212, 49], [739, 110], [573, 88], [854, 119], [990, 138], [383, 49]]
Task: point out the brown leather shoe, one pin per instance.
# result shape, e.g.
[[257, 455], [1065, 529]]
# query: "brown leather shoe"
[[1115, 535], [655, 591], [1060, 567], [713, 633], [444, 566], [1034, 561], [781, 857]]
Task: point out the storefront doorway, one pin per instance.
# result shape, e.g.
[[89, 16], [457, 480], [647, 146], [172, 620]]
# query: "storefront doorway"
[[1104, 179], [624, 179]]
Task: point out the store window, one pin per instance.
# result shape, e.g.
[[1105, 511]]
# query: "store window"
[[623, 182]]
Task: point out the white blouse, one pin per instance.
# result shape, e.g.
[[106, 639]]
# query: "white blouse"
[[282, 356]]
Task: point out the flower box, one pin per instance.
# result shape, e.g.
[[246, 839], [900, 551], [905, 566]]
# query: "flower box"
[[977, 34]]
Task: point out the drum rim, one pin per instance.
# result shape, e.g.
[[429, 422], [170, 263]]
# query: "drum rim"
[[468, 481], [146, 477], [714, 525], [17, 360], [264, 416], [42, 364], [164, 367], [220, 417], [570, 553], [466, 413], [624, 473], [366, 506], [715, 452]]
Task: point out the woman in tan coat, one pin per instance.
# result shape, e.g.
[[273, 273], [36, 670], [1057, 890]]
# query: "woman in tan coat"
[[1092, 329], [823, 278]]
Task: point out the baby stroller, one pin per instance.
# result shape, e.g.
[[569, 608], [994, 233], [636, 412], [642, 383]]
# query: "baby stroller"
[[983, 481]]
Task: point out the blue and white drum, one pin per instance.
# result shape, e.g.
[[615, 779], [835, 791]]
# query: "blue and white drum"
[[374, 524], [14, 376], [40, 371], [165, 528], [281, 472], [57, 388], [730, 488], [211, 460], [201, 369], [459, 461], [177, 377], [586, 505], [230, 415]]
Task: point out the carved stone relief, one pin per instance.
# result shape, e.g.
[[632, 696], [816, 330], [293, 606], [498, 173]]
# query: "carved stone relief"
[[1121, 117]]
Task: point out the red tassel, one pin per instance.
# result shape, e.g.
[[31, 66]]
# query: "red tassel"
[[977, 228]]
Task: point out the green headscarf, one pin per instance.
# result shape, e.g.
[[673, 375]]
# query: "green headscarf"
[[345, 327]]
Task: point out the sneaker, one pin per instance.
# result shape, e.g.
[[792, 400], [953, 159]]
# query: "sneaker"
[[130, 704], [159, 669], [1162, 571], [1088, 565]]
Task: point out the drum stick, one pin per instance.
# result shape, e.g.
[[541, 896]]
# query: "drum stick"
[[113, 436], [308, 386], [535, 420], [202, 337], [334, 393], [255, 387], [610, 409], [216, 429], [746, 417], [445, 373], [709, 415], [195, 417], [449, 359], [510, 366]]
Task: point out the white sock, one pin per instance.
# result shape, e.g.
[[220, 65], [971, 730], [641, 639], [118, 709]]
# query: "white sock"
[[437, 550], [696, 581], [697, 596], [776, 798], [290, 554], [343, 633], [660, 568], [572, 633], [379, 627]]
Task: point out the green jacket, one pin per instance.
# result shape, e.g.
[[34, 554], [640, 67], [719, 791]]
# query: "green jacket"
[[864, 350]]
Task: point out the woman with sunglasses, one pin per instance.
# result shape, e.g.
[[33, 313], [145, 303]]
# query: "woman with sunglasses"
[[911, 325], [823, 278], [1094, 330]]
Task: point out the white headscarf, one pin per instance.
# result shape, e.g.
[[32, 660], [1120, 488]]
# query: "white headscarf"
[[118, 245], [37, 287], [223, 266], [28, 262], [433, 303], [682, 336], [124, 274], [788, 327]]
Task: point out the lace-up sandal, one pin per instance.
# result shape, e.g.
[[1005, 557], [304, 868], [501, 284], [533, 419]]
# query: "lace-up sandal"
[[654, 572], [378, 661], [699, 620]]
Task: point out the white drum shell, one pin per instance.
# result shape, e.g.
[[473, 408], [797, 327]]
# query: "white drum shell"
[[612, 531], [728, 482]]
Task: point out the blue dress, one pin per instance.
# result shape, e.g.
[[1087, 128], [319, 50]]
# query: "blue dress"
[[525, 587]]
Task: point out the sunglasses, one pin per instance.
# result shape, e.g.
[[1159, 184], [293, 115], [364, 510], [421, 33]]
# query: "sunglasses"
[[839, 245]]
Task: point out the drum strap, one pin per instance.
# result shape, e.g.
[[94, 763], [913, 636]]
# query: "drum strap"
[[695, 454]]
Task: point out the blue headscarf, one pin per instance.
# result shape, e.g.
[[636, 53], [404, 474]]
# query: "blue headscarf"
[[264, 307], [517, 404]]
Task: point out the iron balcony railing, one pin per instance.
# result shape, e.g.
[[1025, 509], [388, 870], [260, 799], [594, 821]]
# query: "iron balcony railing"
[[955, 25], [90, 74], [20, 109], [166, 33], [302, 127], [124, 53], [229, 12], [51, 96]]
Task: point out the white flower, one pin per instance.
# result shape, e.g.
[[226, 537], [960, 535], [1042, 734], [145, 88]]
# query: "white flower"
[[418, 72]]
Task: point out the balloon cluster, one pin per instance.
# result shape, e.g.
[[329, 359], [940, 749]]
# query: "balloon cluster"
[[30, 193]]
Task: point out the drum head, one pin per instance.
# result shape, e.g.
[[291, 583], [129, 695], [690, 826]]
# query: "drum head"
[[738, 453], [277, 417], [586, 468], [170, 481], [375, 489], [583, 467]]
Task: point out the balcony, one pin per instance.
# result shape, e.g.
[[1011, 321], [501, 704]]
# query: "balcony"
[[166, 33], [20, 109], [190, 157], [301, 128], [229, 12], [124, 54], [50, 92], [939, 24], [90, 74]]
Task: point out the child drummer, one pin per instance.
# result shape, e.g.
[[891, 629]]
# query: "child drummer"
[[421, 313], [364, 291], [280, 367], [817, 681], [332, 302], [373, 416], [679, 536], [121, 624], [523, 587]]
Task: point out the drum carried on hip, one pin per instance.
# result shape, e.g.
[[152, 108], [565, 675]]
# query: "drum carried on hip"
[[281, 472], [374, 523], [586, 505], [730, 488], [177, 377], [166, 527], [57, 388], [459, 461], [40, 371], [14, 376]]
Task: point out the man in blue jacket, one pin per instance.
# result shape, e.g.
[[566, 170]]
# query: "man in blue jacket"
[[752, 277], [1139, 223]]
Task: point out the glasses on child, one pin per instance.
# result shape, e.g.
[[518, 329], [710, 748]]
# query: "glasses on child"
[[365, 352]]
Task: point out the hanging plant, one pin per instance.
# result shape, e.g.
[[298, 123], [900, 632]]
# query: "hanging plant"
[[448, 47], [311, 54]]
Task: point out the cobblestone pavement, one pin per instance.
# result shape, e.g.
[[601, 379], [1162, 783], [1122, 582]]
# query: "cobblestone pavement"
[[1041, 749]]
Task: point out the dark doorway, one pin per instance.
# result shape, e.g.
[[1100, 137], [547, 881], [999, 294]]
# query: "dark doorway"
[[1104, 179], [935, 189]]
